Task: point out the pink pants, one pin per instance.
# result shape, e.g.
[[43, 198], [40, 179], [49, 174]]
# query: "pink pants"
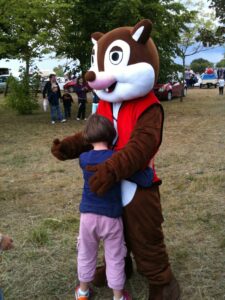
[[94, 228]]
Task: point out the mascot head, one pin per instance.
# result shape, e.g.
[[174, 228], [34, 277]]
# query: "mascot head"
[[124, 63]]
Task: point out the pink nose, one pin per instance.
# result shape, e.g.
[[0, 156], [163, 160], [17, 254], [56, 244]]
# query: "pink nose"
[[90, 76], [99, 80]]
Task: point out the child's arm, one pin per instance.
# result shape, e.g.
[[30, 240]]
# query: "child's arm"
[[6, 242], [143, 178]]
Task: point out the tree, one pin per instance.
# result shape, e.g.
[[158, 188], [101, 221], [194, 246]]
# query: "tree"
[[26, 32], [85, 17], [219, 7], [199, 65], [59, 71], [221, 63], [197, 35], [25, 29]]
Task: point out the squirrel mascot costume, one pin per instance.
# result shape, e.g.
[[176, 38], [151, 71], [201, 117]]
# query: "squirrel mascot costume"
[[125, 66]]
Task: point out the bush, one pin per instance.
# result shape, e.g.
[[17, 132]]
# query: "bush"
[[22, 95]]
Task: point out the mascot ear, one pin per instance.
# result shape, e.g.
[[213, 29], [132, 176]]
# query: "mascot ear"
[[96, 36], [141, 31]]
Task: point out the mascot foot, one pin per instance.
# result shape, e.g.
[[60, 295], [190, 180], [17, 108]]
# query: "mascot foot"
[[170, 291], [128, 267], [100, 277]]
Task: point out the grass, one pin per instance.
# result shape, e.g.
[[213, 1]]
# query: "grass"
[[39, 202]]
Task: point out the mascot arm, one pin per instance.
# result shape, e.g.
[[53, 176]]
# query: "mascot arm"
[[70, 147], [142, 146]]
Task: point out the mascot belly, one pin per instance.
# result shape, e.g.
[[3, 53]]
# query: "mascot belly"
[[124, 69]]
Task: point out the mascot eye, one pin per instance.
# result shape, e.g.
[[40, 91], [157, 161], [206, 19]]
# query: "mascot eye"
[[116, 57]]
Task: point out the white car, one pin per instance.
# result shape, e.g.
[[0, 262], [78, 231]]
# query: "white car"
[[209, 80], [199, 82], [3, 80]]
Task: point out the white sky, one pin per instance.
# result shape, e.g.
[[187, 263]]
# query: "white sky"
[[47, 63]]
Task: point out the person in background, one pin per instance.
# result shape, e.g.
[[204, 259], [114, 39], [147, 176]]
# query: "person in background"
[[187, 75], [221, 82], [55, 110], [48, 86], [81, 91], [6, 243], [53, 97], [94, 102], [67, 103]]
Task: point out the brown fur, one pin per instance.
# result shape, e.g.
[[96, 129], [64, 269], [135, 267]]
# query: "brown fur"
[[143, 51]]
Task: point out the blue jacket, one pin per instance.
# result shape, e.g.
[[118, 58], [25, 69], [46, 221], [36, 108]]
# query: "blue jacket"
[[110, 204]]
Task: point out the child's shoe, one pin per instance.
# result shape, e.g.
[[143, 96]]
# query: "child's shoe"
[[78, 296]]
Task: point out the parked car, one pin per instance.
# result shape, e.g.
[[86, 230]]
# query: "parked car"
[[70, 85], [199, 81], [3, 81], [209, 80], [169, 90]]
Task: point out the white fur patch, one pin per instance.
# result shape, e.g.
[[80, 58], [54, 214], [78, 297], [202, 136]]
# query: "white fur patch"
[[133, 81], [94, 42], [138, 33], [128, 190]]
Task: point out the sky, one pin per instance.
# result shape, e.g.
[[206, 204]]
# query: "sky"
[[48, 63], [212, 55]]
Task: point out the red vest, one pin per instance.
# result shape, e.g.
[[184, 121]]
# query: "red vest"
[[128, 115]]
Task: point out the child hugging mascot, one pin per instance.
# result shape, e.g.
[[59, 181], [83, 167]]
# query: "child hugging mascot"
[[125, 66]]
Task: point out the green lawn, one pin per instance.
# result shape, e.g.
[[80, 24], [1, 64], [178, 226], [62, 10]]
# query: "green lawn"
[[39, 200]]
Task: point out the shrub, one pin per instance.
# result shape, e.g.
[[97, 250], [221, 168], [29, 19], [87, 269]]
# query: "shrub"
[[22, 95]]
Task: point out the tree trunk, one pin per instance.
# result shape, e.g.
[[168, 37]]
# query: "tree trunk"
[[183, 81], [26, 75], [27, 67]]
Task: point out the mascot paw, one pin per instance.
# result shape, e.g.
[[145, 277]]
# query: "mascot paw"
[[56, 142], [100, 277], [59, 149], [102, 180]]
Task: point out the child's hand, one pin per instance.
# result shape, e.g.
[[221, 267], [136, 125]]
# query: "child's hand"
[[6, 243]]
